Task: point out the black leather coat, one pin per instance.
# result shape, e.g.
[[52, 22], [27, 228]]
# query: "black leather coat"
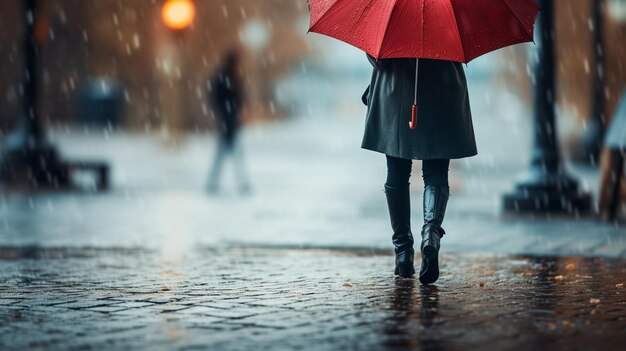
[[444, 127]]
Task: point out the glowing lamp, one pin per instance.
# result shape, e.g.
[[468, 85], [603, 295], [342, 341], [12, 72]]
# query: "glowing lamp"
[[178, 14]]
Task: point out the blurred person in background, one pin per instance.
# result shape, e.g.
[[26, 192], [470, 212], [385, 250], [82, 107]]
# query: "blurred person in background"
[[444, 131], [226, 95]]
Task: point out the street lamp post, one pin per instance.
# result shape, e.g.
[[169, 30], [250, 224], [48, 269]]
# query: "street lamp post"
[[546, 186], [27, 158], [177, 16]]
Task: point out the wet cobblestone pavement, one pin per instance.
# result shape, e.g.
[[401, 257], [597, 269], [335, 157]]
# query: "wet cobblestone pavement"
[[245, 298]]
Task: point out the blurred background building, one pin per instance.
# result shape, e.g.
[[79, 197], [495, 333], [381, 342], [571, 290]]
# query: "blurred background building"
[[123, 41]]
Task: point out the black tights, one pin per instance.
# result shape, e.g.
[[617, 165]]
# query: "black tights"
[[434, 172]]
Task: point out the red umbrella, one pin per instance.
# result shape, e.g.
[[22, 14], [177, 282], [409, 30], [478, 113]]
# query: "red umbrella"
[[454, 30]]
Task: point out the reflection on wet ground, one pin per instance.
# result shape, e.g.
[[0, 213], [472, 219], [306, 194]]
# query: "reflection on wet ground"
[[415, 307], [271, 298], [521, 302]]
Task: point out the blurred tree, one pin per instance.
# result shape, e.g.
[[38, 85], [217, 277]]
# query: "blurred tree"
[[118, 39]]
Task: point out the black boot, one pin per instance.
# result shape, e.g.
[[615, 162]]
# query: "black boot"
[[435, 201], [399, 204]]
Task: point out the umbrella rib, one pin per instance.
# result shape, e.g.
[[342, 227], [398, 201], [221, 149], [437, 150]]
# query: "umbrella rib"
[[361, 14], [517, 17], [458, 31], [324, 14], [393, 9]]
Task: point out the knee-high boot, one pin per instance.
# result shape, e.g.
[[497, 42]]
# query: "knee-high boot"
[[399, 203], [435, 201]]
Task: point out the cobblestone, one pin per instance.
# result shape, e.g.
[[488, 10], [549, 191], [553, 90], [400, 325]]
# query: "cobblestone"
[[243, 298]]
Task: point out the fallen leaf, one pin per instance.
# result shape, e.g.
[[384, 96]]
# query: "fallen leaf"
[[558, 277], [347, 285], [619, 286], [594, 300], [570, 266]]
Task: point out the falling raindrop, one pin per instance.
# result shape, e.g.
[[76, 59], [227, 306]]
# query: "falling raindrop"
[[136, 41]]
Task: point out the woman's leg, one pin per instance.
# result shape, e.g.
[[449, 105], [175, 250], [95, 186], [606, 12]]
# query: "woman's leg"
[[435, 172], [399, 204], [398, 172], [436, 193]]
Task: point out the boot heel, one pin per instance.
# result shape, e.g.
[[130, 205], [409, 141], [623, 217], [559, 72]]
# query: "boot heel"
[[430, 265], [429, 252], [405, 271]]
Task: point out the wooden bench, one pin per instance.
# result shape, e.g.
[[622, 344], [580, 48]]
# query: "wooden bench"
[[101, 171]]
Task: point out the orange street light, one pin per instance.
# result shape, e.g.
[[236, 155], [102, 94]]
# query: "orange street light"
[[178, 14]]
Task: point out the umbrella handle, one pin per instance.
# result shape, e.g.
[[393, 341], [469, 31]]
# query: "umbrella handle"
[[413, 122]]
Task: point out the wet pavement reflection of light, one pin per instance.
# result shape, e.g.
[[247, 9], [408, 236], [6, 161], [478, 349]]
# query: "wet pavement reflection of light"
[[241, 297]]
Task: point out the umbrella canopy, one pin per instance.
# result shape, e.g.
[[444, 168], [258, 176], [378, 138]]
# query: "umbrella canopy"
[[454, 30]]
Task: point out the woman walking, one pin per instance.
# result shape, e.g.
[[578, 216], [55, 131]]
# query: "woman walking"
[[443, 131]]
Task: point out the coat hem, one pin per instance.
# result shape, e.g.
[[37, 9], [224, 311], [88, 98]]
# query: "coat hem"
[[422, 157]]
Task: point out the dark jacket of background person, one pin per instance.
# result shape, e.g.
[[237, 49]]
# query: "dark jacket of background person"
[[444, 126], [226, 97]]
